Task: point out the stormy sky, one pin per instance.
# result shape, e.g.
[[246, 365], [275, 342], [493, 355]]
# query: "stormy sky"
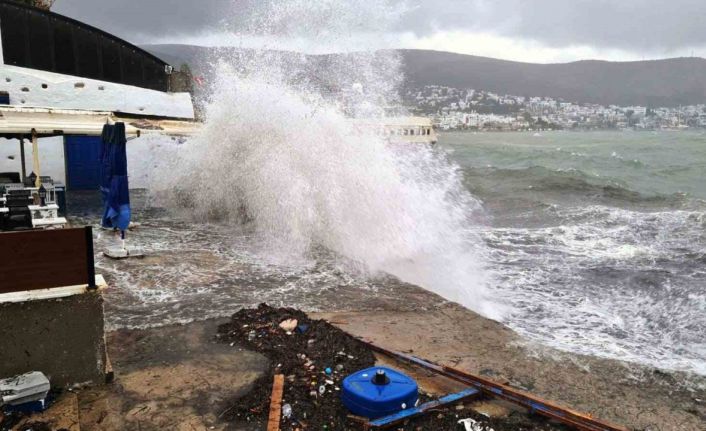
[[524, 30]]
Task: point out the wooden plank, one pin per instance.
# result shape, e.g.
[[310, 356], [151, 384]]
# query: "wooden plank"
[[578, 420], [31, 260], [276, 403]]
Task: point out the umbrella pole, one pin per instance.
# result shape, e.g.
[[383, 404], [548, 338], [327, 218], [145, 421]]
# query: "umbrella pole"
[[35, 159], [22, 158]]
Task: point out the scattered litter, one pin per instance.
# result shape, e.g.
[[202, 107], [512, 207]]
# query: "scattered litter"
[[286, 411], [328, 371], [299, 357], [288, 325], [303, 359], [472, 425]]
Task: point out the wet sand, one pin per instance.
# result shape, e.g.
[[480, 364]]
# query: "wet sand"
[[178, 377]]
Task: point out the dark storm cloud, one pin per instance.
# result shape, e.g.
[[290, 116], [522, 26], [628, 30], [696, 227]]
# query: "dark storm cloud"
[[142, 20], [626, 24], [634, 25]]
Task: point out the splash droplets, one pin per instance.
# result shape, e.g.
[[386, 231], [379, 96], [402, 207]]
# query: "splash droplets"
[[279, 151]]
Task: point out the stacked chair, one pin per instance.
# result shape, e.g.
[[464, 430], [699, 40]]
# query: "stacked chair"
[[19, 216]]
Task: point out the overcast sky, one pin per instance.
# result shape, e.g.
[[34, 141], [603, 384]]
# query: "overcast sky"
[[524, 30]]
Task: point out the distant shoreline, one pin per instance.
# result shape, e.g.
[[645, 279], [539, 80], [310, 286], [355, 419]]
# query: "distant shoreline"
[[693, 130]]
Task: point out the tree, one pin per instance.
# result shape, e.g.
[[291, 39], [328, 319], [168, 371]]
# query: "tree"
[[528, 118], [628, 114]]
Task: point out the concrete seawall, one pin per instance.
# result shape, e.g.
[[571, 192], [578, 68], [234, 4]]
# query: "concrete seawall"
[[63, 338]]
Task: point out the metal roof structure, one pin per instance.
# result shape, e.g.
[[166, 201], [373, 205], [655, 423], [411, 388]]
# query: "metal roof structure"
[[40, 39]]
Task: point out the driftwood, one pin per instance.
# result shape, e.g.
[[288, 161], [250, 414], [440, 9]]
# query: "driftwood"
[[276, 403]]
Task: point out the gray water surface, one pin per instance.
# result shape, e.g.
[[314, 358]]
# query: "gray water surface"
[[596, 244]]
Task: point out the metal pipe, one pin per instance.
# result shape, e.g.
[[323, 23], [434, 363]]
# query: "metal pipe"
[[567, 416], [90, 259], [22, 158], [403, 415]]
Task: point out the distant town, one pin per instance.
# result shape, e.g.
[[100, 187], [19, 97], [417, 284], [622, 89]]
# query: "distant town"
[[470, 109]]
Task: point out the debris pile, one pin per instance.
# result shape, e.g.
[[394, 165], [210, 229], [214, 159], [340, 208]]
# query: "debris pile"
[[315, 357]]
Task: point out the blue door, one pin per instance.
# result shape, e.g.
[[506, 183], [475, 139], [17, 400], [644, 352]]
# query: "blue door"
[[82, 162]]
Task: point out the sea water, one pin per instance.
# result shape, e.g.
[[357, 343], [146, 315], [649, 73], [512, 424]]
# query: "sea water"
[[592, 243], [598, 239]]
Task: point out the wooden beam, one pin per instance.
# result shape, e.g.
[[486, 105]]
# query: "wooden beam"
[[276, 403], [577, 420]]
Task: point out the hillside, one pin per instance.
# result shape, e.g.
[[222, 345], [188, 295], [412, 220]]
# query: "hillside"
[[670, 82]]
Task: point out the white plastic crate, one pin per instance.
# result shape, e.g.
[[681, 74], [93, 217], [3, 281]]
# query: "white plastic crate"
[[25, 388]]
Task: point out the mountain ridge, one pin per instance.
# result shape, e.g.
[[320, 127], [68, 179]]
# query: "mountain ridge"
[[666, 82]]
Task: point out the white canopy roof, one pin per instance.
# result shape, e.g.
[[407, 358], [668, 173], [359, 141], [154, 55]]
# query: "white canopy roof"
[[48, 121]]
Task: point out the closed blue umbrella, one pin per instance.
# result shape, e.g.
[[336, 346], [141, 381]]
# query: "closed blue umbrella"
[[114, 183]]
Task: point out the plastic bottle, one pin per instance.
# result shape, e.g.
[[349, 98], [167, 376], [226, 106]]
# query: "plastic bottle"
[[286, 411]]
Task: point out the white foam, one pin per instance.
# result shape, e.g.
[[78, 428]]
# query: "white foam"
[[608, 284], [277, 151]]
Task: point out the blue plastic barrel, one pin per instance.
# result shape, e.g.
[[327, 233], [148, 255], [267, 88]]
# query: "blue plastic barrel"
[[378, 391]]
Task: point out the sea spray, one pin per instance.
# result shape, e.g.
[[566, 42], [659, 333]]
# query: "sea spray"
[[280, 151]]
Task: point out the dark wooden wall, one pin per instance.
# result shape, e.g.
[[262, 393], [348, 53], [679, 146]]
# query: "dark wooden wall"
[[40, 259]]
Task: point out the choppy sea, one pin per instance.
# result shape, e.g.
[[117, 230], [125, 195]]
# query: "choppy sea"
[[596, 243]]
